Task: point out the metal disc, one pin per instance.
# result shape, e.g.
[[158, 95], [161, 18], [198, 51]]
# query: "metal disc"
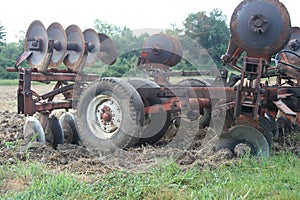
[[162, 49], [57, 33], [294, 46], [93, 44], [36, 41], [264, 126], [260, 27], [33, 131], [54, 132], [108, 50], [274, 125], [74, 55], [247, 135]]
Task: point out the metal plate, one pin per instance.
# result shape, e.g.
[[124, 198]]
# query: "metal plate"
[[57, 33], [74, 57], [248, 135], [108, 50], [92, 40], [260, 27], [38, 58]]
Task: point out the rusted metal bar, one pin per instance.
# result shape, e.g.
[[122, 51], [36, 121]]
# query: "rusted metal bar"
[[174, 105], [284, 108], [49, 106], [211, 72], [199, 92], [63, 77], [43, 119], [57, 91], [56, 75], [25, 101]]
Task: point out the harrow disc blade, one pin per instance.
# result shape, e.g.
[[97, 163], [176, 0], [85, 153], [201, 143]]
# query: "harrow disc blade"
[[58, 35], [162, 49], [274, 125], [36, 41], [245, 135], [293, 46], [260, 27], [108, 50], [75, 49], [93, 41], [33, 131], [264, 126]]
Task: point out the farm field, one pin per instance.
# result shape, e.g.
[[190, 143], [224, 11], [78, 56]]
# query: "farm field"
[[38, 171]]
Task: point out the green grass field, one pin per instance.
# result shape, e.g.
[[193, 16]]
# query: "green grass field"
[[277, 177], [8, 82]]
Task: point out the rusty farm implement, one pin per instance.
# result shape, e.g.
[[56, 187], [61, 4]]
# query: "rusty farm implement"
[[247, 110]]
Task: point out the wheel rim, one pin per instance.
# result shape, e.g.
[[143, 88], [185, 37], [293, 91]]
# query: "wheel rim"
[[104, 116]]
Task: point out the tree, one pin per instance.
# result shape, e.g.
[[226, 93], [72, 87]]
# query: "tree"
[[9, 53], [2, 35], [105, 28], [210, 31], [128, 46]]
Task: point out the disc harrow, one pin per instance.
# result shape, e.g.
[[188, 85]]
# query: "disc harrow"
[[246, 110]]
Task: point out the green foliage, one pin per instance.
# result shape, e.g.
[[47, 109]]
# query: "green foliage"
[[2, 35], [276, 177], [210, 31], [127, 44], [9, 53], [105, 28]]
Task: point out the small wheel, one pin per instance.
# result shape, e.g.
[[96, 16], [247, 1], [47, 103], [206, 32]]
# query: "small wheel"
[[249, 137], [205, 117], [67, 121], [156, 124], [54, 131], [110, 115], [33, 131]]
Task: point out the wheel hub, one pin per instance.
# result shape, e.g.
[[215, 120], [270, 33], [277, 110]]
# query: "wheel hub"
[[104, 116], [242, 149], [244, 139]]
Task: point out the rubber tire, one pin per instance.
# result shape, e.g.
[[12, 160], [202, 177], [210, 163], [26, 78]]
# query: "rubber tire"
[[160, 126], [131, 106], [33, 131], [67, 121], [55, 131], [206, 116]]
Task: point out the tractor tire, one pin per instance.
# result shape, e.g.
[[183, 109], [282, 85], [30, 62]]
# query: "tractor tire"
[[110, 115], [156, 124]]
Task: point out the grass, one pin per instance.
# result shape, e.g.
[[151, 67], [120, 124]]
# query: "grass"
[[9, 82], [249, 178]]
